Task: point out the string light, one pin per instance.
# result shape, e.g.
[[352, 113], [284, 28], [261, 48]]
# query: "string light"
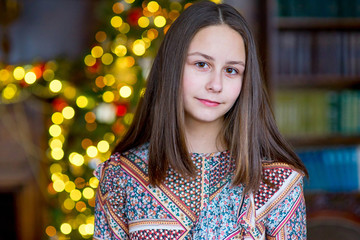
[[143, 22], [107, 59], [19, 73], [125, 91], [9, 91], [160, 21], [114, 71], [30, 78], [68, 112], [55, 86], [97, 51], [116, 21], [153, 6], [82, 101], [65, 228]]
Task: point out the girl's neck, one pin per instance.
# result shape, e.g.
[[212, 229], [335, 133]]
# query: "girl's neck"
[[203, 137]]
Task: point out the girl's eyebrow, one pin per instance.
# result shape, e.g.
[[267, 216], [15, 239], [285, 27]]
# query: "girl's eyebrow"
[[212, 59]]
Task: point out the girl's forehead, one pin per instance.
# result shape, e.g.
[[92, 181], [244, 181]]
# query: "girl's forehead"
[[218, 41]]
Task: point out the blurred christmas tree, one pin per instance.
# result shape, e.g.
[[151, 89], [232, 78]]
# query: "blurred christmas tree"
[[92, 107]]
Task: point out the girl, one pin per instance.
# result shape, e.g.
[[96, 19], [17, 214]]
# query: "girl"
[[203, 158]]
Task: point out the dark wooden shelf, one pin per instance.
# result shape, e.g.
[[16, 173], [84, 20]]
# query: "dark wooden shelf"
[[308, 23], [316, 81], [321, 141]]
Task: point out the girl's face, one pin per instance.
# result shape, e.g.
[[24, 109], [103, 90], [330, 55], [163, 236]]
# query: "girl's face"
[[213, 74]]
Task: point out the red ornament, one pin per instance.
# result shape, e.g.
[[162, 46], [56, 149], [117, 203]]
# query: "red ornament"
[[121, 110], [59, 104], [134, 15], [96, 67]]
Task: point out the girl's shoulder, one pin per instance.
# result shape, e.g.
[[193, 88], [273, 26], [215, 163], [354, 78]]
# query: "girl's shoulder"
[[279, 179], [118, 162]]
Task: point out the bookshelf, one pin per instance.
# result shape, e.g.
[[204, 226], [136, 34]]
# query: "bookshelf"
[[312, 54], [312, 67]]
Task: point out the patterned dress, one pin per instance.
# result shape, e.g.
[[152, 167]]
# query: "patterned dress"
[[206, 207]]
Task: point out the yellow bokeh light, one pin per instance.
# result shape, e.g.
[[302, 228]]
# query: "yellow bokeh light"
[[159, 21], [86, 229], [92, 151], [216, 1], [139, 47], [19, 73], [107, 58], [90, 219], [108, 96], [69, 186], [4, 75], [48, 74], [76, 159], [50, 231], [56, 168], [129, 1], [82, 101], [120, 50], [89, 228], [65, 178], [153, 6], [9, 91], [152, 33], [97, 51], [55, 143], [94, 182], [69, 92], [116, 21], [125, 91], [88, 193], [103, 146], [125, 28], [69, 204], [65, 228], [68, 112], [57, 118], [100, 36], [30, 77], [90, 117], [75, 195], [128, 118], [57, 153], [143, 22], [80, 206], [109, 79], [118, 8], [55, 130], [109, 137], [89, 60], [176, 6], [55, 86], [56, 176], [59, 185]]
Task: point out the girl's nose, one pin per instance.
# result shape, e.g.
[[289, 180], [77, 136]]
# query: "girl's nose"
[[215, 83]]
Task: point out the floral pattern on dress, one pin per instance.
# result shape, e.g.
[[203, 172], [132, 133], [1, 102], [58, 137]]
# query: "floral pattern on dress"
[[208, 207]]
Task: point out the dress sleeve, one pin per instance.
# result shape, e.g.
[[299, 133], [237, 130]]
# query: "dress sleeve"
[[287, 218], [110, 212]]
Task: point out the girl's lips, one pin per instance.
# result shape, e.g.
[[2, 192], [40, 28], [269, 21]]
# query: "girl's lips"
[[208, 103]]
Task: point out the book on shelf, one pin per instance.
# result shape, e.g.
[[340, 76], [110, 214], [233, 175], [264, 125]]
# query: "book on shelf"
[[332, 169], [317, 112], [319, 8], [321, 53]]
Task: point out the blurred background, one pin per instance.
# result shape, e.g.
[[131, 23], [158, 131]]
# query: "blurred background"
[[72, 71]]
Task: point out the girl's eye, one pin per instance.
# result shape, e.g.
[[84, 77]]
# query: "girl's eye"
[[201, 64], [232, 71]]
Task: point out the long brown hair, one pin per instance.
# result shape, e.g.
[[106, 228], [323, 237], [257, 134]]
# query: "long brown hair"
[[249, 130]]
